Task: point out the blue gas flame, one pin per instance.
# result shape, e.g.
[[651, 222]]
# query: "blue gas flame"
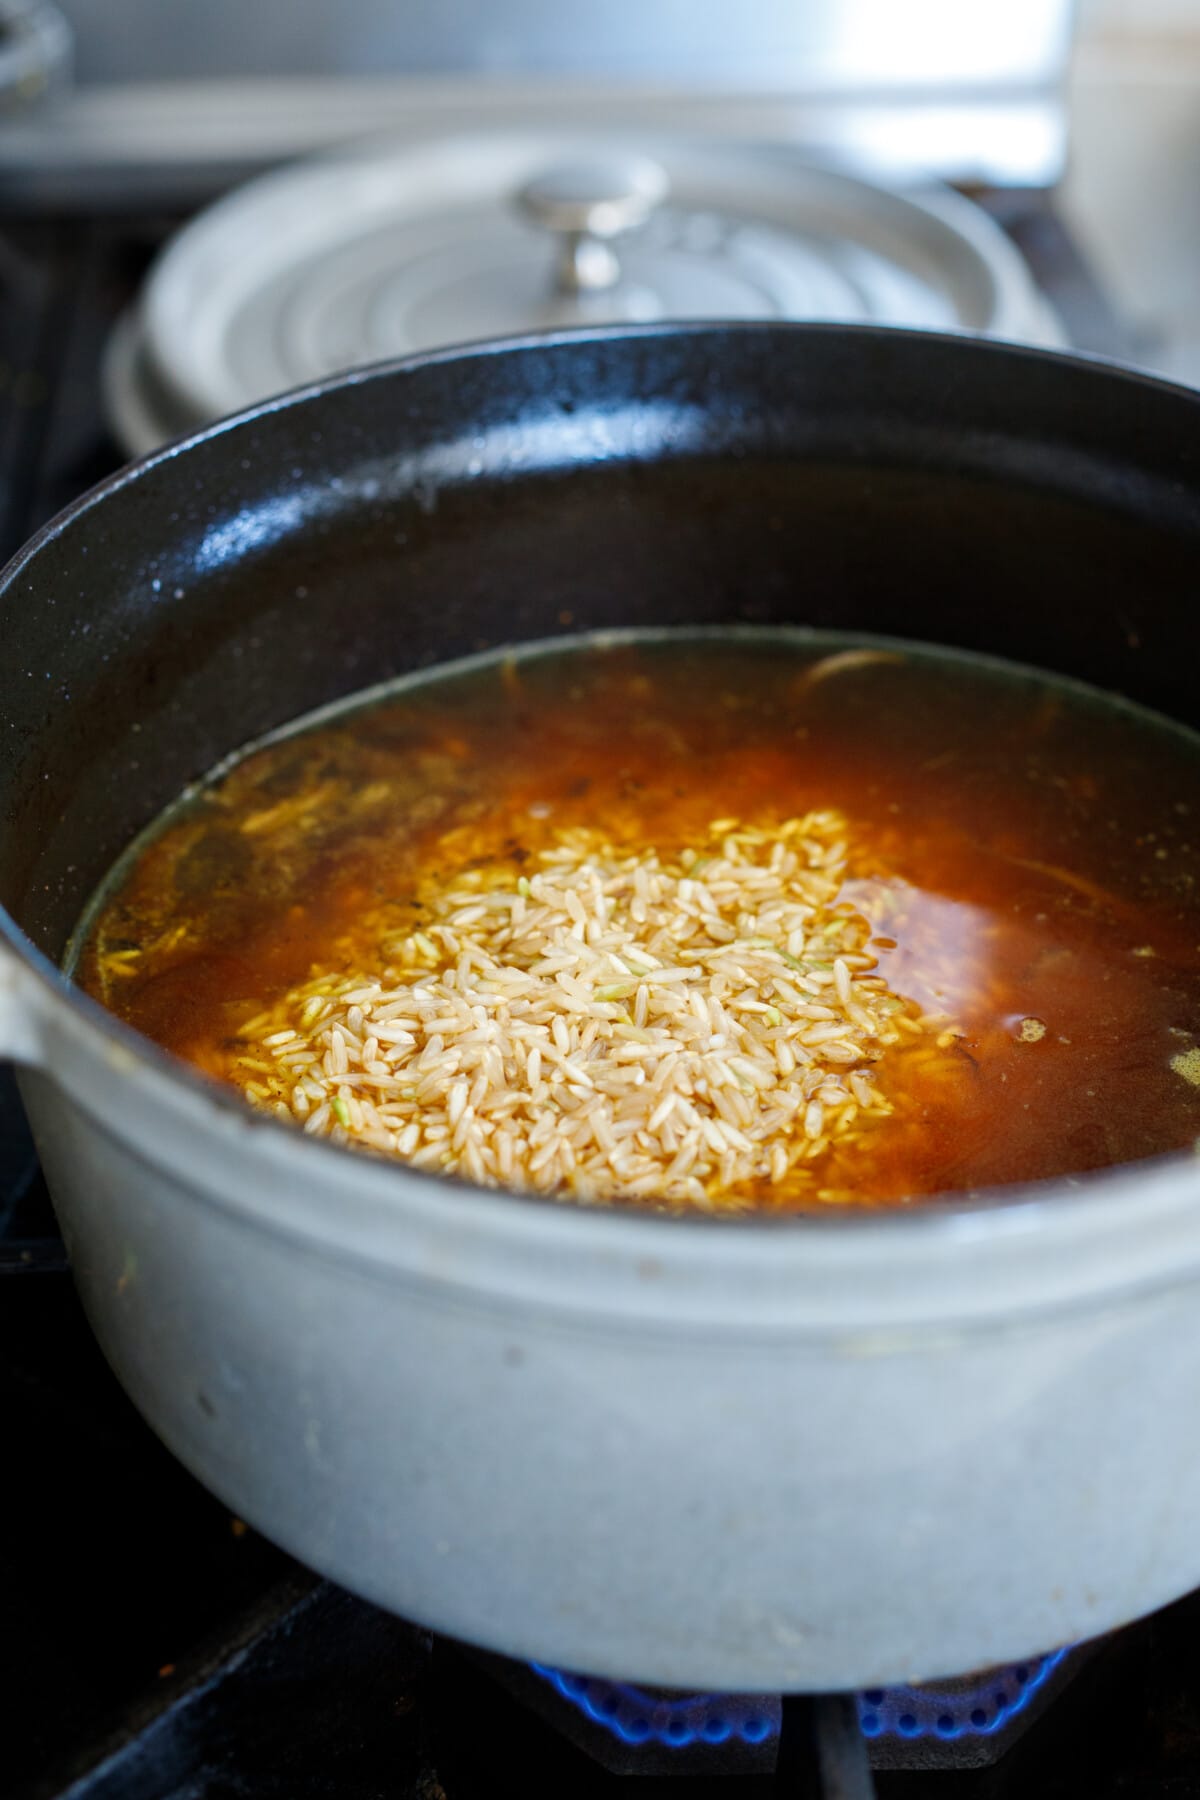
[[979, 1711], [639, 1718], [680, 1720]]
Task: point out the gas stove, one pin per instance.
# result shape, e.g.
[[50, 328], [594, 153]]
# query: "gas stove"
[[155, 1648]]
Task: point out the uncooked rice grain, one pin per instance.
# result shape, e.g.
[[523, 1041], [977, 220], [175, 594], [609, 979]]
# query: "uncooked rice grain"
[[693, 1028]]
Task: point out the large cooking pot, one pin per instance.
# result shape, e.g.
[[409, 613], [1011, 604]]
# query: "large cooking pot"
[[808, 1453]]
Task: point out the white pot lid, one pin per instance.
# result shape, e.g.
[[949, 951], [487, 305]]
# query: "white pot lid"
[[402, 246]]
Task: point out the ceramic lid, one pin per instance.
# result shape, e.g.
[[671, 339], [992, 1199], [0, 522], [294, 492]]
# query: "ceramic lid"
[[397, 247]]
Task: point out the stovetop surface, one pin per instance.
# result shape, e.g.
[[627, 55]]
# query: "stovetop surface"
[[154, 1648]]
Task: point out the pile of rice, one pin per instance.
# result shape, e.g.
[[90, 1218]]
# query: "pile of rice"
[[695, 1028]]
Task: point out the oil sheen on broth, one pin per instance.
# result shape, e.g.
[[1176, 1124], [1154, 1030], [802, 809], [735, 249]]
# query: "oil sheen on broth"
[[1020, 860]]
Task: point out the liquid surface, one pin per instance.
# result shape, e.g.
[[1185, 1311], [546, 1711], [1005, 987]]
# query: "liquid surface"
[[1026, 856]]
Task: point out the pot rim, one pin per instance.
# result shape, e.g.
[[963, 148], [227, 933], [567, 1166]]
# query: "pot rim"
[[1139, 1201]]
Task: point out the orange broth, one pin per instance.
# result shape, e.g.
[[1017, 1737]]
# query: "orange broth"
[[1026, 851]]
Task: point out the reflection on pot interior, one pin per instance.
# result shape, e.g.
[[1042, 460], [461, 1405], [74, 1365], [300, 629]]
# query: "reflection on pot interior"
[[713, 921]]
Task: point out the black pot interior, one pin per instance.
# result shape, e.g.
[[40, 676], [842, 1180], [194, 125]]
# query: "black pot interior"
[[941, 489]]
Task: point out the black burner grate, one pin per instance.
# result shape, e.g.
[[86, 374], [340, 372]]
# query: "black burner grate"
[[311, 1693]]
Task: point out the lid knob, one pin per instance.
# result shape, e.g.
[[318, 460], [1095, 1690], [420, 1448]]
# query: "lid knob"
[[586, 203]]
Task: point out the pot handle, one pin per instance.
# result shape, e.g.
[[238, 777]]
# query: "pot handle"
[[21, 1012]]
